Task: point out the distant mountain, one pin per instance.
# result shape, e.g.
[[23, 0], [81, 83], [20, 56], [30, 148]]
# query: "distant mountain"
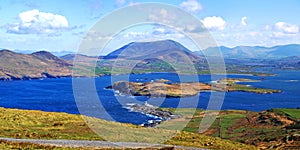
[[155, 56], [290, 60], [36, 65], [79, 58], [56, 53], [257, 52], [166, 50]]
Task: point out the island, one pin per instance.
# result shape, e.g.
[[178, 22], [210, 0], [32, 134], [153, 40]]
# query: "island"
[[165, 88]]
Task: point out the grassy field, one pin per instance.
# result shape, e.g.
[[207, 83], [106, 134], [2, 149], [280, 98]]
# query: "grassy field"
[[31, 124]]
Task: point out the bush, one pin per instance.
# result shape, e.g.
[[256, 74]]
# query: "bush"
[[294, 126]]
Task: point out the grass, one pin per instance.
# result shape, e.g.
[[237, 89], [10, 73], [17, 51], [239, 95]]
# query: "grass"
[[293, 113], [33, 124], [5, 145], [199, 140], [228, 121], [16, 145], [46, 125], [232, 85], [239, 87]]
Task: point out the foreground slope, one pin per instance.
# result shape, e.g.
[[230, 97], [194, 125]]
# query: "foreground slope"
[[48, 125]]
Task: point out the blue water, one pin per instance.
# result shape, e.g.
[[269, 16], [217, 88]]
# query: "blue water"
[[56, 95]]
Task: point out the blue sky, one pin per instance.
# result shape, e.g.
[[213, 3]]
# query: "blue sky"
[[59, 25]]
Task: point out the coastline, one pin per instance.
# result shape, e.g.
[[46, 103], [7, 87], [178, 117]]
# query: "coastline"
[[49, 76], [152, 111]]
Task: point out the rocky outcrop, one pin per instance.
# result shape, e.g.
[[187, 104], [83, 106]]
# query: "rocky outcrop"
[[154, 111]]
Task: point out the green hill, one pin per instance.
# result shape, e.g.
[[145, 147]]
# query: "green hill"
[[32, 124]]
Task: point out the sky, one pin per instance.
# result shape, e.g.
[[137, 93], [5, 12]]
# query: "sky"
[[60, 25]]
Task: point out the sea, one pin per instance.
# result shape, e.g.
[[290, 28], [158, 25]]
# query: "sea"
[[89, 96]]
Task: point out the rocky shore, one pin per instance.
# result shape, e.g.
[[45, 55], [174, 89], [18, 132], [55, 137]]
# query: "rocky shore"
[[158, 114], [25, 77]]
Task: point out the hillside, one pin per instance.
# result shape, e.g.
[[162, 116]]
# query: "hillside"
[[49, 125], [29, 66], [270, 129]]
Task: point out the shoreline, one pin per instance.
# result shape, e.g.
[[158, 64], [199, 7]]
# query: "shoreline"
[[101, 75], [151, 111]]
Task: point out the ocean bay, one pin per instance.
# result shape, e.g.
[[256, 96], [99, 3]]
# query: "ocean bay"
[[56, 95]]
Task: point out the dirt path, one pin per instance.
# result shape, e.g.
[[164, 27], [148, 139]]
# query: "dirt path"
[[96, 144]]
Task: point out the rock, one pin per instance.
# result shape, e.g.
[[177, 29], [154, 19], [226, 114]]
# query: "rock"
[[153, 111], [47, 75]]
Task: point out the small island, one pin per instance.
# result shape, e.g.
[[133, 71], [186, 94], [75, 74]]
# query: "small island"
[[165, 88]]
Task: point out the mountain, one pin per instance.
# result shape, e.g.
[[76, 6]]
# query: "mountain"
[[285, 51], [292, 62], [166, 50], [36, 65], [257, 52], [141, 57], [44, 55], [79, 58]]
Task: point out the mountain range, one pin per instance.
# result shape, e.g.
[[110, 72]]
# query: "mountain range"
[[152, 57], [256, 52]]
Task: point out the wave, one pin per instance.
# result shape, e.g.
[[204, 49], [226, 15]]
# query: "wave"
[[291, 80]]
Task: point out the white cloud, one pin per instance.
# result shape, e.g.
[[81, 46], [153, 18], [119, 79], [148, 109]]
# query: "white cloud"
[[214, 23], [243, 21], [36, 22], [286, 28], [191, 6]]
